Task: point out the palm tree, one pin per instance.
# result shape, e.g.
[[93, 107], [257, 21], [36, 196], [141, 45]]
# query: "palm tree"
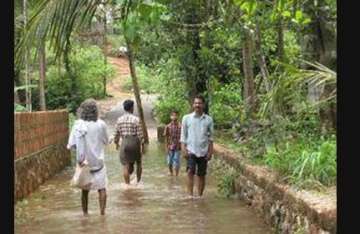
[[57, 20]]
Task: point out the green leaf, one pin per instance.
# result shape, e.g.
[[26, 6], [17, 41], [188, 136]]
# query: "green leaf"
[[298, 15], [286, 14], [306, 21]]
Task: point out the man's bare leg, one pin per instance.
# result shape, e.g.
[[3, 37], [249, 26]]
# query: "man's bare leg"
[[190, 183], [201, 185], [102, 201], [170, 169], [177, 171], [126, 174], [131, 168], [84, 201], [138, 171]]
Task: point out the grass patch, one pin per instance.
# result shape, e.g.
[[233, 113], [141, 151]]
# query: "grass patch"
[[308, 162]]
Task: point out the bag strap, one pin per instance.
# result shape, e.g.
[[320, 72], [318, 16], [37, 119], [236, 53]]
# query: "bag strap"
[[96, 170]]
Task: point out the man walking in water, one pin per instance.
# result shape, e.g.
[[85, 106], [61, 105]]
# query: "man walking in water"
[[197, 143], [128, 128], [172, 143]]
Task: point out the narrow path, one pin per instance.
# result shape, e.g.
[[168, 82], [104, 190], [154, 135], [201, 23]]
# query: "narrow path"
[[157, 205], [111, 107]]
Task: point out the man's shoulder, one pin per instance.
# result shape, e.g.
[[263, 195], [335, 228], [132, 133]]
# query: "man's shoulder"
[[136, 118], [127, 117], [208, 117], [101, 122], [187, 116]]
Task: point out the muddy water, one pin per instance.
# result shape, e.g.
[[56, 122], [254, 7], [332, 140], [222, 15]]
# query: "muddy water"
[[157, 205]]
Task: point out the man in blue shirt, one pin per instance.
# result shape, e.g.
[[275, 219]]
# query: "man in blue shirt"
[[197, 143]]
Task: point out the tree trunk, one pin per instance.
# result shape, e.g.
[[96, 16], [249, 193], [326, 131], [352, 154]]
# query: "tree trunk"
[[105, 53], [195, 74], [249, 85], [137, 91], [73, 86], [17, 96], [261, 59], [27, 77], [42, 75]]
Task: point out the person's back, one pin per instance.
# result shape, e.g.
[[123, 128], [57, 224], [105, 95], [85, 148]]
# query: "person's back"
[[129, 130], [127, 125], [96, 140], [89, 137]]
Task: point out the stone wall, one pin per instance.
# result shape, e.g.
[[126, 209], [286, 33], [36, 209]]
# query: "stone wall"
[[40, 148], [283, 207]]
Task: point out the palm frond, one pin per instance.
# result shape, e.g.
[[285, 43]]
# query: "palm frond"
[[55, 20]]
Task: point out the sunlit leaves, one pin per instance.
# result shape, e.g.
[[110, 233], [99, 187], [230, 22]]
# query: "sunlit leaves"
[[144, 14]]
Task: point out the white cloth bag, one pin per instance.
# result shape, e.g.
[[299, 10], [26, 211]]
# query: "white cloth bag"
[[82, 177]]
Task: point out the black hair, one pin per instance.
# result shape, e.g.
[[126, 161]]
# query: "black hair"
[[200, 97], [128, 104], [88, 110], [174, 111]]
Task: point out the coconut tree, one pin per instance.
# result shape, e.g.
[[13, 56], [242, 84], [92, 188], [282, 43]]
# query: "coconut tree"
[[57, 20]]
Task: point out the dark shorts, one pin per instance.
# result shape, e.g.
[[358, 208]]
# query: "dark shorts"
[[130, 150], [196, 165]]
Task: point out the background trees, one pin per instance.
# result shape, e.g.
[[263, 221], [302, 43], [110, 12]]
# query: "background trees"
[[267, 68]]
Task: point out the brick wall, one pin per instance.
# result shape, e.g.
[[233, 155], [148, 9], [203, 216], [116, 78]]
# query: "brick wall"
[[40, 148], [37, 130]]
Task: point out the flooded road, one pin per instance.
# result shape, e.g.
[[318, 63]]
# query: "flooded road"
[[159, 204]]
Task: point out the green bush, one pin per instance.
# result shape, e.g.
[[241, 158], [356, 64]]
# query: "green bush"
[[148, 80], [307, 162], [165, 105], [225, 177], [226, 104], [89, 68], [19, 108], [172, 90]]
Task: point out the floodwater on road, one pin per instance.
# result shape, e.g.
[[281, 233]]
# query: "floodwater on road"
[[159, 204]]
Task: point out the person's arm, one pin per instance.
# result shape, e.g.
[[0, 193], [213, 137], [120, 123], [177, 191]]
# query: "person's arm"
[[183, 137], [139, 133], [165, 134], [211, 140], [106, 139], [71, 142], [117, 136]]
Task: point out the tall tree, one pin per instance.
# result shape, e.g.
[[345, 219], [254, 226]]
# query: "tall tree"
[[249, 84], [26, 61], [42, 77], [135, 83], [260, 57]]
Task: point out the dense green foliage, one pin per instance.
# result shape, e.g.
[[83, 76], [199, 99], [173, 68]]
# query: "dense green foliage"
[[225, 176], [266, 68], [148, 81], [89, 68], [226, 105], [305, 161]]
